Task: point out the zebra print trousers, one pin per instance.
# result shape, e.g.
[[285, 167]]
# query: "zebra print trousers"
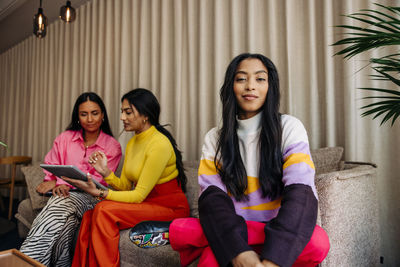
[[49, 241]]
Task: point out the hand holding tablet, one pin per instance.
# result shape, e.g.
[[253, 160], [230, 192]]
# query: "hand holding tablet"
[[69, 171]]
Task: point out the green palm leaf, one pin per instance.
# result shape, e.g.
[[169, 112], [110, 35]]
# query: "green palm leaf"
[[390, 106], [389, 63], [392, 23], [386, 76], [388, 91], [392, 110], [379, 29]]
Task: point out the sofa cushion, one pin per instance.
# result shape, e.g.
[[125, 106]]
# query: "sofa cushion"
[[192, 186], [327, 159], [34, 175], [132, 255]]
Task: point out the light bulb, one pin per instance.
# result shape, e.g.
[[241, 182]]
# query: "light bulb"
[[39, 24], [68, 15], [67, 12]]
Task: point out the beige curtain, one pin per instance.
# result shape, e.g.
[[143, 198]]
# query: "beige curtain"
[[180, 49]]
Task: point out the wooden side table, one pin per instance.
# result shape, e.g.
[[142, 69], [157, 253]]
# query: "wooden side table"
[[15, 258]]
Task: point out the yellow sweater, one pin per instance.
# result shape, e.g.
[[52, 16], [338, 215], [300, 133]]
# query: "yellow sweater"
[[149, 160]]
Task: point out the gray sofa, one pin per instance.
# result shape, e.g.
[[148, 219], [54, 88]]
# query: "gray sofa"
[[347, 211]]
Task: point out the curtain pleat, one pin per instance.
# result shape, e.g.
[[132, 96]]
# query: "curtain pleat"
[[180, 50]]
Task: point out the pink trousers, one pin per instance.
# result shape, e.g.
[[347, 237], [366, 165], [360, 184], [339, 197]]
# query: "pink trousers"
[[186, 236]]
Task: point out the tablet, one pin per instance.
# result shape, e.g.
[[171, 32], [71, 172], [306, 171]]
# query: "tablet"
[[70, 171], [50, 193]]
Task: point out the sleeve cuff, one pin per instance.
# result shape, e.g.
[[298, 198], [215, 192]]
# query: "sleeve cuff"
[[110, 177], [289, 232]]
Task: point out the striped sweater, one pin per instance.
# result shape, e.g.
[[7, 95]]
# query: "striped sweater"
[[298, 167]]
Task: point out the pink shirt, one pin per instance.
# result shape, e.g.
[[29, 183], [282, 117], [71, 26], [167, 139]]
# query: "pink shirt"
[[69, 149]]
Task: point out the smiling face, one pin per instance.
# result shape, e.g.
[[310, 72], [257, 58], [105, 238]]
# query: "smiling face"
[[132, 119], [250, 87], [90, 116]]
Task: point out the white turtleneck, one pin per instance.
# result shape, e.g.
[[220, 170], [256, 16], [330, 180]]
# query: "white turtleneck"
[[249, 134]]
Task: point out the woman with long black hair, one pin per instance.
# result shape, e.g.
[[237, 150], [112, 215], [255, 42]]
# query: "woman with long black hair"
[[258, 204], [151, 185], [49, 241]]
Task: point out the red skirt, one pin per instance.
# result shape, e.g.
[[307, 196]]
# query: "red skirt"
[[98, 239]]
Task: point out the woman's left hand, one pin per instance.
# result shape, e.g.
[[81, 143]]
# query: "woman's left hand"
[[87, 186], [99, 162], [251, 258]]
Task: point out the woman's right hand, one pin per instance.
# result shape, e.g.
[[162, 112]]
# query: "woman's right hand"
[[62, 190], [46, 186], [250, 258], [99, 161]]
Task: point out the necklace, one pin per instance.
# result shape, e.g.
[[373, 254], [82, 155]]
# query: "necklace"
[[88, 143]]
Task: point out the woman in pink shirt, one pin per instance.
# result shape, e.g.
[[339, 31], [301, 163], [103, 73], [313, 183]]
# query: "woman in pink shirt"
[[50, 239]]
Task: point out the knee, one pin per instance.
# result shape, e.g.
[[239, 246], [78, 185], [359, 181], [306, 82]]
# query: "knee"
[[319, 244], [102, 208], [56, 202], [211, 196]]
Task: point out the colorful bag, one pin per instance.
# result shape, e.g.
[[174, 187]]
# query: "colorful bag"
[[150, 234]]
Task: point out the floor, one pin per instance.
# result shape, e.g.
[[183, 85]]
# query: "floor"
[[9, 239]]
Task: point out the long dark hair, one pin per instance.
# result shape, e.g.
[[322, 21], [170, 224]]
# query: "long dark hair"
[[89, 96], [231, 169], [147, 105]]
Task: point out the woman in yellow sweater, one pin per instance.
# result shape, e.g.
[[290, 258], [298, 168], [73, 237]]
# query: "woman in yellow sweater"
[[150, 187]]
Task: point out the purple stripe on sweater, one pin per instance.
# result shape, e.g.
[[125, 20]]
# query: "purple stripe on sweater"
[[301, 147], [299, 173], [257, 215], [207, 180], [255, 198]]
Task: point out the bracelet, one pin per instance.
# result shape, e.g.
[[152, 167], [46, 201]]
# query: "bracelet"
[[101, 195]]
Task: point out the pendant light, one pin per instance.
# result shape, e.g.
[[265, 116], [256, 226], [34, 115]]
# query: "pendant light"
[[67, 13], [40, 23]]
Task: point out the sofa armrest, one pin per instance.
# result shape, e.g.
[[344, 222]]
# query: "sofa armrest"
[[351, 170], [360, 163], [23, 220], [34, 176], [25, 216], [348, 209]]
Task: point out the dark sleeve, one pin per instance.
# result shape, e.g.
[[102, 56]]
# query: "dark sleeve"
[[287, 234], [226, 232]]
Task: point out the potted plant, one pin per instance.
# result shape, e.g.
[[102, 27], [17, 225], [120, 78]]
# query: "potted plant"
[[379, 28]]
